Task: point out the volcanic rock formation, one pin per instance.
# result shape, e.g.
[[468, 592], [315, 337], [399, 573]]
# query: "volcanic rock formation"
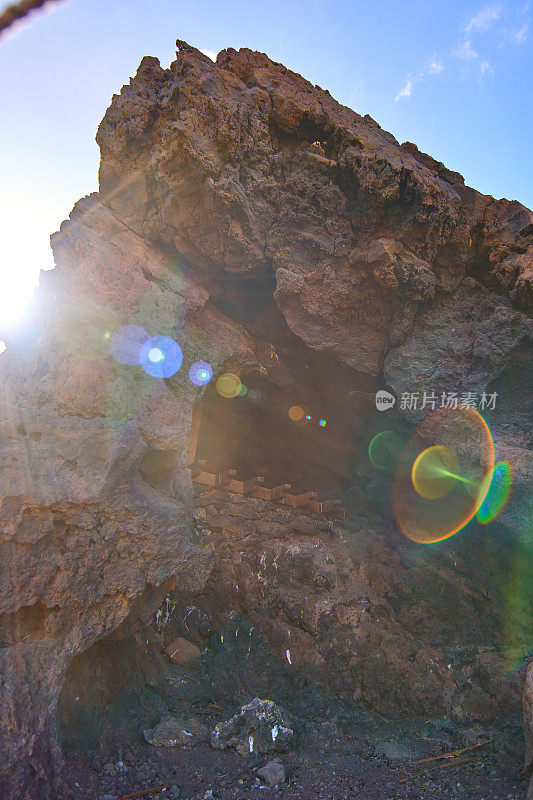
[[275, 233]]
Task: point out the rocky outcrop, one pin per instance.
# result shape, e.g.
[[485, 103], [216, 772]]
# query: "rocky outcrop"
[[274, 232], [259, 727]]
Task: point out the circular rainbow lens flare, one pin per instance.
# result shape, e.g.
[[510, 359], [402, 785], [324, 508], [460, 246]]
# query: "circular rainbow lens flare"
[[200, 373], [160, 357], [322, 423], [254, 396], [228, 385], [440, 480], [497, 495]]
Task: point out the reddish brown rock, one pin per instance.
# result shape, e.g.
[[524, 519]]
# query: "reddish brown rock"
[[180, 651]]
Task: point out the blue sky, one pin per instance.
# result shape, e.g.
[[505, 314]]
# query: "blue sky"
[[453, 77]]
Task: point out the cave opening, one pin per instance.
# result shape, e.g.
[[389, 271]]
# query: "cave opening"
[[301, 413]]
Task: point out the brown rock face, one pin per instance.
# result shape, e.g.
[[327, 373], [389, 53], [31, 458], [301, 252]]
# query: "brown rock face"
[[273, 232]]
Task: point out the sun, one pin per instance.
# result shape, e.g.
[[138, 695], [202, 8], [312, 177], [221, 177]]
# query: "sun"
[[24, 250]]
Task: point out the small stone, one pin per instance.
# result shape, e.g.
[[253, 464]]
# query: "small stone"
[[272, 773], [174, 791], [176, 732], [183, 652]]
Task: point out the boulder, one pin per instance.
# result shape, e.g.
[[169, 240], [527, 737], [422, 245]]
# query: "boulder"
[[273, 773], [177, 732], [259, 727]]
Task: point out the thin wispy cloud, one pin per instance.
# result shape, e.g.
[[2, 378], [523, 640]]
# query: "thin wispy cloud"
[[406, 92], [465, 51], [520, 35], [435, 66], [484, 19], [485, 68]]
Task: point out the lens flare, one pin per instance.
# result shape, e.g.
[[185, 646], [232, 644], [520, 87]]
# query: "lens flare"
[[228, 385], [160, 357], [243, 390], [440, 480], [384, 450], [254, 396], [125, 344], [296, 413], [155, 355], [322, 423], [435, 472], [499, 483], [200, 373]]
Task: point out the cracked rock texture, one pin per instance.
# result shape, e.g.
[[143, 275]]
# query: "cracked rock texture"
[[241, 208]]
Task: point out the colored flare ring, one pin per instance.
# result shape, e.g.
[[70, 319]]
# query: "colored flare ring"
[[426, 520], [384, 450], [125, 344], [200, 373], [228, 385], [497, 494], [160, 357], [296, 413]]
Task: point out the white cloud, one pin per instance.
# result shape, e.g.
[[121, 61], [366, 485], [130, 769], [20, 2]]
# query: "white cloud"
[[406, 92], [484, 18], [485, 68], [210, 54], [465, 51], [435, 66], [520, 36]]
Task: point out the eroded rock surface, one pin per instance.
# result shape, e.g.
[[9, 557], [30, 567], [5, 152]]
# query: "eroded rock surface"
[[274, 232]]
